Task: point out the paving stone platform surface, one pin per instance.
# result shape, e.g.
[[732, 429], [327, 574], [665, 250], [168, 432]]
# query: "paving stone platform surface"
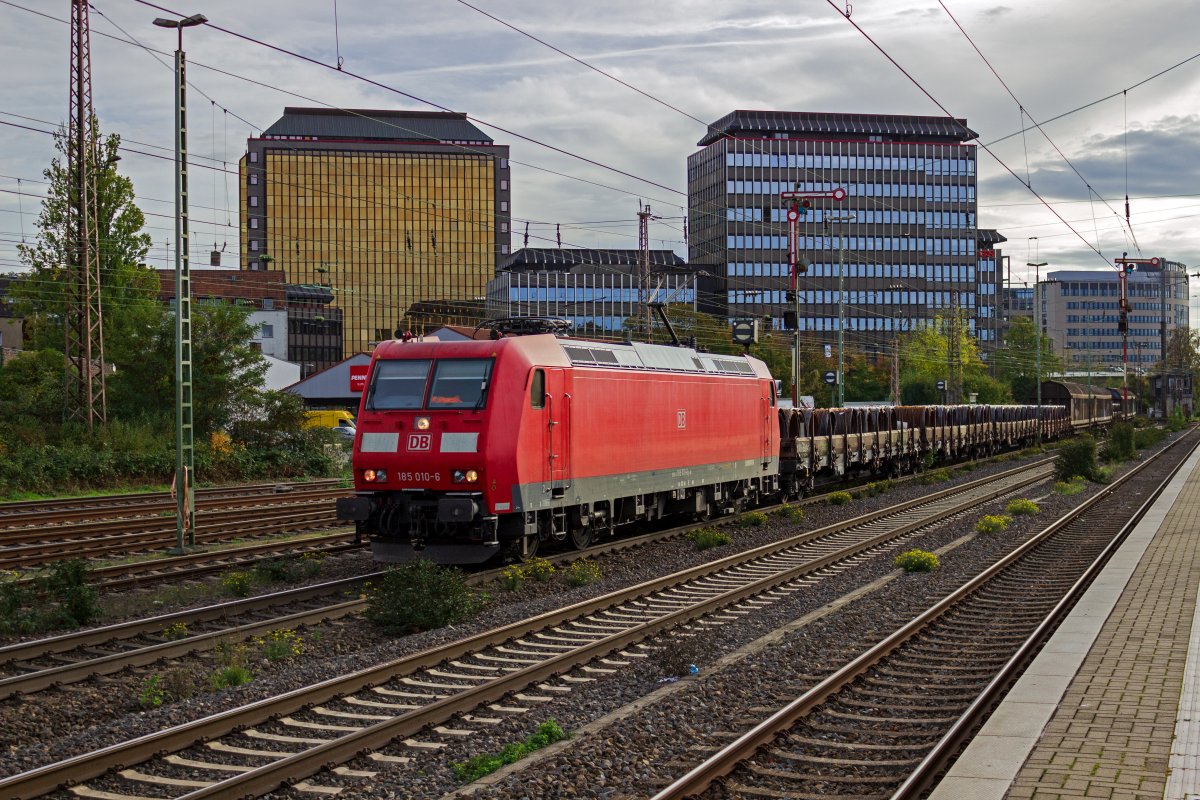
[[1111, 707]]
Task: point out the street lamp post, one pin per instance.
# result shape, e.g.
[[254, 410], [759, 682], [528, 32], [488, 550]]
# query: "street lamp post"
[[1037, 315], [185, 502]]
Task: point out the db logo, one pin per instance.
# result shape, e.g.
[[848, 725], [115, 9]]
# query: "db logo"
[[420, 441], [681, 419]]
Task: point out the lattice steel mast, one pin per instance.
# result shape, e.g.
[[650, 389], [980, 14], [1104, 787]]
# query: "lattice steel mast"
[[83, 321]]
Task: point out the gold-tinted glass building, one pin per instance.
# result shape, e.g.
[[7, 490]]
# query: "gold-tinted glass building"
[[385, 208]]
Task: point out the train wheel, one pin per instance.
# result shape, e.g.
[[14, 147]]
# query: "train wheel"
[[580, 537]]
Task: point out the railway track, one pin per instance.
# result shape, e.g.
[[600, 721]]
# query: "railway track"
[[886, 724], [445, 692], [108, 503], [32, 547]]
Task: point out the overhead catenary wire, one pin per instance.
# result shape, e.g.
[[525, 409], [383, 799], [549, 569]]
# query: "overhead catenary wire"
[[1037, 124]]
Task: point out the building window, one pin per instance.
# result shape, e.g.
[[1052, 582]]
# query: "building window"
[[253, 157], [504, 205], [268, 303], [504, 163], [254, 223], [253, 244], [253, 202], [254, 179], [268, 331], [504, 186]]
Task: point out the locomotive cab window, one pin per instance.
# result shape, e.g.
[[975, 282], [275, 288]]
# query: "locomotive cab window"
[[460, 383], [537, 389], [398, 384]]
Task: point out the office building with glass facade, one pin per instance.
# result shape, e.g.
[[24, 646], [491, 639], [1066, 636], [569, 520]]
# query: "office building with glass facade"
[[1081, 311], [595, 290], [904, 244], [384, 208]]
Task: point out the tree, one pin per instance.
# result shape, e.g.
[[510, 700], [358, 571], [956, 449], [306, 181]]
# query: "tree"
[[924, 360], [1016, 362], [127, 287], [227, 372], [31, 396]]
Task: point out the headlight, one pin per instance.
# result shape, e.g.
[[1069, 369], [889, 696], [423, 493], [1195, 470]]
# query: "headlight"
[[422, 423], [375, 475], [465, 476]]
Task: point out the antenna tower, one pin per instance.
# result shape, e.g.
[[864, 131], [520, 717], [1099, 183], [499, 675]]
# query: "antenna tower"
[[84, 329]]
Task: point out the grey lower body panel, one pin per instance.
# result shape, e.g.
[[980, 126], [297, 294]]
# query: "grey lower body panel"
[[579, 491]]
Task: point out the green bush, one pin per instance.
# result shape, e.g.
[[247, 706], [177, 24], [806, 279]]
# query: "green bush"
[[1071, 487], [754, 519], [56, 598], [582, 572], [1177, 421], [1120, 445], [1021, 506], [420, 596], [840, 498], [1148, 437], [473, 769], [992, 523], [151, 694], [917, 561], [708, 538], [793, 513], [1076, 457]]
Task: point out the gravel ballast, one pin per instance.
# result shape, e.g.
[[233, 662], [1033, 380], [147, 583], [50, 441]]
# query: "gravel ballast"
[[631, 755]]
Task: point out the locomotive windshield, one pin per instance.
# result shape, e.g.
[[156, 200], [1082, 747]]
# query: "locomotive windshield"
[[398, 384], [460, 383]]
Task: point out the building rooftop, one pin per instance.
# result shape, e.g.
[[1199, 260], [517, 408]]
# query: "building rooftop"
[[532, 258], [375, 124], [815, 125]]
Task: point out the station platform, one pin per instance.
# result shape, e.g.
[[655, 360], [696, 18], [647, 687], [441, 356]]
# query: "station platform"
[[1111, 706]]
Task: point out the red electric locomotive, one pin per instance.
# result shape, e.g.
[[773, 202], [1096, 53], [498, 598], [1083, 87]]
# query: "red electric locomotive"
[[468, 449]]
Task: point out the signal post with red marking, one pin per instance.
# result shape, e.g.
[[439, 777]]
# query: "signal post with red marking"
[[801, 203], [1126, 266]]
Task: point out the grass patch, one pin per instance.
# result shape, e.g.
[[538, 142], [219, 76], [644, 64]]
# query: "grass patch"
[[793, 513], [473, 769], [539, 569], [582, 572], [916, 561], [708, 538], [992, 523], [754, 519], [840, 498], [1071, 487], [1021, 506]]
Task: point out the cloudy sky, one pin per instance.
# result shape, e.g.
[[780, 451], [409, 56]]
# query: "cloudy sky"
[[688, 62]]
